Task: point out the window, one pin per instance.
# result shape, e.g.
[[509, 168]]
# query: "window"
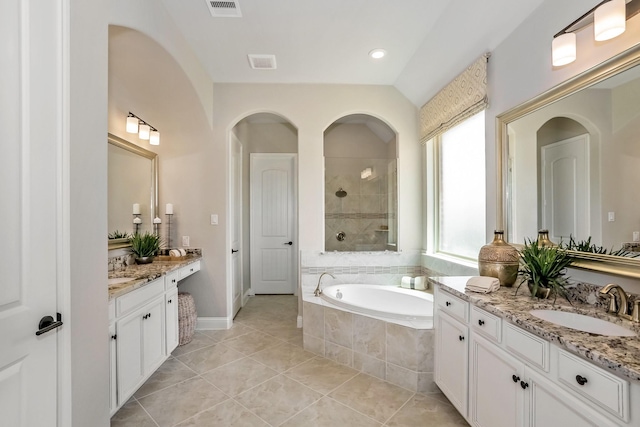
[[458, 191]]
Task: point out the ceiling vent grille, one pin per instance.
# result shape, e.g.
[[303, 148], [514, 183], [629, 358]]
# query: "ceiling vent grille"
[[224, 9], [262, 62]]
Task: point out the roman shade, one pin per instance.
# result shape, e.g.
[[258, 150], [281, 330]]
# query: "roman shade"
[[465, 96]]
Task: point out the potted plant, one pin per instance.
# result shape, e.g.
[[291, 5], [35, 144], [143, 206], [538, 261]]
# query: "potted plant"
[[543, 268], [145, 246]]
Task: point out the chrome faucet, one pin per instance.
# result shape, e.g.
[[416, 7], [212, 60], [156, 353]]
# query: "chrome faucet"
[[622, 307], [318, 291]]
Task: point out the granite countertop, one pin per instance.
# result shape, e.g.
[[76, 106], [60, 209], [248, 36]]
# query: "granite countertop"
[[142, 274], [618, 354]]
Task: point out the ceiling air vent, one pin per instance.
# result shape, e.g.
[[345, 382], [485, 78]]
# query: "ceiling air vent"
[[224, 9], [262, 62]]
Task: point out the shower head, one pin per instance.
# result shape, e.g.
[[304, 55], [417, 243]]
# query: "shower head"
[[341, 193]]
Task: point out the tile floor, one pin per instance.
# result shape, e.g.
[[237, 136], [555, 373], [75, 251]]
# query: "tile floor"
[[258, 374]]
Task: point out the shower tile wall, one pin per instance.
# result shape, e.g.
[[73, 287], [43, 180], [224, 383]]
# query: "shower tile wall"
[[363, 213]]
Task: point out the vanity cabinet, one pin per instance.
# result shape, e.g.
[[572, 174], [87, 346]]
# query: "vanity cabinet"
[[113, 394], [518, 379], [171, 319]]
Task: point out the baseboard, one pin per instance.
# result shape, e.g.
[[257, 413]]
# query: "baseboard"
[[213, 323], [246, 296], [299, 322]]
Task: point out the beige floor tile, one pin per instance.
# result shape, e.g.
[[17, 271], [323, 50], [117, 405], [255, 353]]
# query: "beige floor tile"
[[209, 358], [322, 375], [239, 376], [171, 372], [235, 331], [328, 413], [132, 414], [181, 401], [371, 396], [282, 357], [252, 342], [427, 411], [228, 413], [284, 331], [278, 399], [199, 341]]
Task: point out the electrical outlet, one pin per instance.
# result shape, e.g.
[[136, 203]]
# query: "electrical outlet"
[[636, 236], [185, 241]]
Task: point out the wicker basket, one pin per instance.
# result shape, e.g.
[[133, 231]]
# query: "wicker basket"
[[187, 317]]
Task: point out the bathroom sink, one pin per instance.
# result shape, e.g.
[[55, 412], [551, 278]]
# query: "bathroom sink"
[[118, 280], [583, 323]]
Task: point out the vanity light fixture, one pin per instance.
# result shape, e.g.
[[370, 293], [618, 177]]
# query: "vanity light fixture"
[[609, 21], [144, 130]]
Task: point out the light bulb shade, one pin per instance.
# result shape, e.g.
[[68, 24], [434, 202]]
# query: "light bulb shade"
[[154, 137], [609, 20], [563, 49], [144, 131], [132, 124]]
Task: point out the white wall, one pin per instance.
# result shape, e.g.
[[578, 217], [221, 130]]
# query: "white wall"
[[311, 109], [87, 373]]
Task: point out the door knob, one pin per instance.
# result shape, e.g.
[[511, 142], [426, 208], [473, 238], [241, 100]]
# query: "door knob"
[[289, 243], [48, 324]]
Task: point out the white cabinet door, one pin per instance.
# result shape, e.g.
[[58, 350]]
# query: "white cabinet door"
[[129, 354], [113, 380], [496, 386], [548, 405], [153, 353], [171, 316], [452, 360]]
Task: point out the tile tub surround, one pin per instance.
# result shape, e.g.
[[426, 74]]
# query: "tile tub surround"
[[145, 273], [399, 354], [620, 355]]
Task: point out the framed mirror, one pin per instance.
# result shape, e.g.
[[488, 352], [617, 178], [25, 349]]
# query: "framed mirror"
[[132, 179], [569, 162]]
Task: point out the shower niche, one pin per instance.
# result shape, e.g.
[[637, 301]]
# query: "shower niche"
[[361, 195]]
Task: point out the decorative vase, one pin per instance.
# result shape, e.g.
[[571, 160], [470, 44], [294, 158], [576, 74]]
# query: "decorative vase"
[[144, 260], [543, 239], [542, 293], [499, 259]]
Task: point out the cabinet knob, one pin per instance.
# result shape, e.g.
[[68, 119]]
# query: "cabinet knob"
[[515, 378], [169, 301], [480, 322], [447, 303], [173, 280], [114, 336], [581, 380], [524, 385], [461, 337]]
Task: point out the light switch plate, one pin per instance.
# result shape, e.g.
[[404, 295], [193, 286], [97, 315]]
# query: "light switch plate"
[[185, 241], [612, 216], [214, 219]]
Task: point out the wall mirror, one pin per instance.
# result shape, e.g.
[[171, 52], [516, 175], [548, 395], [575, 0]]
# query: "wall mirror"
[[361, 189], [570, 163], [132, 179]]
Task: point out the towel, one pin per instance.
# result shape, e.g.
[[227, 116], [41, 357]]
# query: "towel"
[[482, 284], [419, 283], [174, 253]]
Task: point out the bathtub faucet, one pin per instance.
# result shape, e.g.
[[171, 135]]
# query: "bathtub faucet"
[[318, 291]]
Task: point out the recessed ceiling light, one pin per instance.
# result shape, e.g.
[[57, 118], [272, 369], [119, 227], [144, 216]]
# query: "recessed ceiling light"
[[377, 53]]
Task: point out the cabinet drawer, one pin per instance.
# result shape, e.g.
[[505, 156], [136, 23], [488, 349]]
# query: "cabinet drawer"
[[189, 270], [529, 347], [594, 383], [454, 306], [486, 324], [138, 297], [171, 280]]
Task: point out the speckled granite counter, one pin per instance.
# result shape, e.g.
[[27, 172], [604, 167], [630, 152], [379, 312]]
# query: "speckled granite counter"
[[618, 354], [142, 274]]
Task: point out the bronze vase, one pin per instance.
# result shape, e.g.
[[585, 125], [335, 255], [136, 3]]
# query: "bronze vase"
[[499, 259]]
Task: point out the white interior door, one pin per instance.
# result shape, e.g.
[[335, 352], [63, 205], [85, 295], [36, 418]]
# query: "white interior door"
[[236, 225], [565, 188], [273, 208], [30, 134]]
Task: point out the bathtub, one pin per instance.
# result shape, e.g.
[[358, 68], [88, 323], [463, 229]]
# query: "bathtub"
[[381, 330], [388, 302]]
